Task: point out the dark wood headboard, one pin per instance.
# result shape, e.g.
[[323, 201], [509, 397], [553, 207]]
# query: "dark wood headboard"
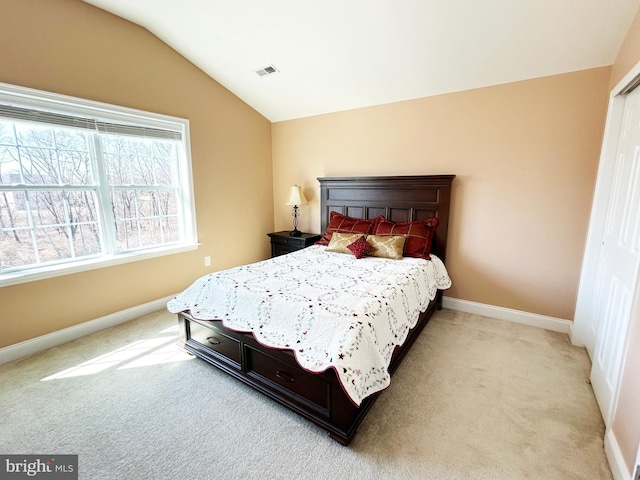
[[398, 198]]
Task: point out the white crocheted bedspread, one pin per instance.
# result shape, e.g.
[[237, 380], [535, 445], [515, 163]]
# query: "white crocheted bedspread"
[[331, 309]]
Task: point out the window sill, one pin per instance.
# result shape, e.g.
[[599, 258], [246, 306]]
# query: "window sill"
[[51, 271]]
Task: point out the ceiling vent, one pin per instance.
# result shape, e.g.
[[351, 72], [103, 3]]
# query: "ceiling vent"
[[268, 70]]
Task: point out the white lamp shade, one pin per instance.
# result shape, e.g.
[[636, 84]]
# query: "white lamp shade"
[[296, 196]]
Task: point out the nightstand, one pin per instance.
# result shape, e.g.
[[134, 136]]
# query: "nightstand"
[[282, 242]]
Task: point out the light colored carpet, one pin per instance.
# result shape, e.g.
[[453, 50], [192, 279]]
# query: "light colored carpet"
[[476, 398]]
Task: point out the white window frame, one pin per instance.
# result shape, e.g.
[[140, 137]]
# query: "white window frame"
[[67, 105]]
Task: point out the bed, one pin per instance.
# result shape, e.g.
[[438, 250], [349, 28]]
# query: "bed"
[[329, 397]]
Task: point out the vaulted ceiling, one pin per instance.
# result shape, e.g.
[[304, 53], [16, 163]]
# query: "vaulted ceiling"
[[342, 54]]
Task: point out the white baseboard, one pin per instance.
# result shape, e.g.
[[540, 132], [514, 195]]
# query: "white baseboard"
[[614, 457], [517, 316], [39, 344]]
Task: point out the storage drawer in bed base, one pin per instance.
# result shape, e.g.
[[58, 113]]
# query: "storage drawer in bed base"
[[308, 389], [213, 343]]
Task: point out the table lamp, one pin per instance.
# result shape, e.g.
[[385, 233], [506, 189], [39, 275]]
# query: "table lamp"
[[296, 197]]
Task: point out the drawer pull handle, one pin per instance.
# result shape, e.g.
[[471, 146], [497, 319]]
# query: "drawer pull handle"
[[213, 340], [284, 376]]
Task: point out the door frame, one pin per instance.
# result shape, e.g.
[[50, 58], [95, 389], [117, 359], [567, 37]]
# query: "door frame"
[[581, 331]]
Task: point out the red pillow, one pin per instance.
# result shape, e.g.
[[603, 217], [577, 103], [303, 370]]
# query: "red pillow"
[[360, 248], [419, 235], [343, 224]]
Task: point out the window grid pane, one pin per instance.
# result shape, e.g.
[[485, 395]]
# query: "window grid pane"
[[145, 217], [56, 224]]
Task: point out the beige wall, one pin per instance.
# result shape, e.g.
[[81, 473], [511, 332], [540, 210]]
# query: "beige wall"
[[525, 155], [69, 47], [626, 423], [629, 53]]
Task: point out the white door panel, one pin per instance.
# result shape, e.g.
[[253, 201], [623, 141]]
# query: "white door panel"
[[619, 262]]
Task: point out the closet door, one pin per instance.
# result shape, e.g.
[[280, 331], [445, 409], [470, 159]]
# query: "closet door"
[[619, 262]]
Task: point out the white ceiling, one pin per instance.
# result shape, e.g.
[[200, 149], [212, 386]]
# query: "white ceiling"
[[335, 55]]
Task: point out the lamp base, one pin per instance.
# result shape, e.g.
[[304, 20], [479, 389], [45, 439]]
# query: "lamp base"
[[295, 233]]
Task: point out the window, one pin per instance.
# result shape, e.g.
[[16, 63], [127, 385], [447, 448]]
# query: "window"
[[84, 184]]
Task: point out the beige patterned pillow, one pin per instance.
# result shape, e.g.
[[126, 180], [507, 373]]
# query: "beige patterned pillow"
[[340, 241], [387, 246]]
